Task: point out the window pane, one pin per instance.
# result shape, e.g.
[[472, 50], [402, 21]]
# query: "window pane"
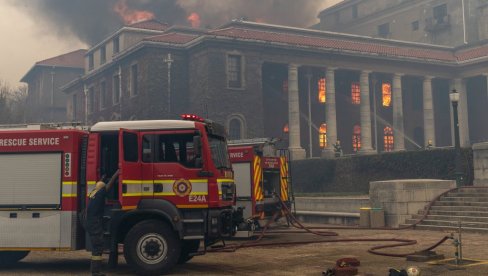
[[355, 93], [386, 93], [234, 129], [388, 139], [323, 135], [322, 90], [234, 74], [130, 147], [356, 138]]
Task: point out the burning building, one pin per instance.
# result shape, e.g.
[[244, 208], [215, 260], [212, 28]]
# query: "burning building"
[[311, 88]]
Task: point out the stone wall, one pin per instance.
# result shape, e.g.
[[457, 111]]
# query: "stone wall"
[[480, 164], [400, 199]]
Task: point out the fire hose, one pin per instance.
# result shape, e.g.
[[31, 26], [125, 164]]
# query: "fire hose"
[[297, 224]]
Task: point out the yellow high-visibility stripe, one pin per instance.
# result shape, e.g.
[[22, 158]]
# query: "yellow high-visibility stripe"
[[36, 249], [225, 180], [129, 207], [162, 194], [284, 178], [69, 195], [192, 206], [258, 176], [70, 182]]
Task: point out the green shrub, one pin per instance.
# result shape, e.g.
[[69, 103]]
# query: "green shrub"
[[352, 174]]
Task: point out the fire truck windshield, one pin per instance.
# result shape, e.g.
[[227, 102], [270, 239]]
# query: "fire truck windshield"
[[218, 148]]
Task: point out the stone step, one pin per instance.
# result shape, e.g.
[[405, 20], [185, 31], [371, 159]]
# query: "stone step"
[[449, 229], [452, 218], [458, 213], [473, 190], [449, 223], [467, 194], [459, 208], [459, 198], [461, 203]]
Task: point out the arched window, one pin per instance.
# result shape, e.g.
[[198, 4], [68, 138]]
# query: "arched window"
[[355, 93], [386, 93], [388, 138], [323, 135], [235, 129], [321, 92], [356, 138]]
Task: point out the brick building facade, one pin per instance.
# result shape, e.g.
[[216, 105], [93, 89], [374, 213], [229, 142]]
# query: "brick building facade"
[[257, 79]]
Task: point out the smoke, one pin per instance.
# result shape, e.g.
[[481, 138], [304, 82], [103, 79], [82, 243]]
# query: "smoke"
[[92, 20]]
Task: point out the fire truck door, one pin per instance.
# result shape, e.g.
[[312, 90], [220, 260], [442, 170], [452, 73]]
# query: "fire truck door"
[[130, 178]]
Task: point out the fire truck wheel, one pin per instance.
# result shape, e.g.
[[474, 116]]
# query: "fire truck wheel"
[[188, 247], [8, 258], [152, 248]]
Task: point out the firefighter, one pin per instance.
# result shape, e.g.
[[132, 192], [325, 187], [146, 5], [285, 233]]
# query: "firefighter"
[[94, 222]]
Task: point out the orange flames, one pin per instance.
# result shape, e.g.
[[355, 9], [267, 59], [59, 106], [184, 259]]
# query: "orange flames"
[[194, 19], [131, 16]]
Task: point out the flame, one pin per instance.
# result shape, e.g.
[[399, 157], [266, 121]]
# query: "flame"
[[194, 19], [131, 16]]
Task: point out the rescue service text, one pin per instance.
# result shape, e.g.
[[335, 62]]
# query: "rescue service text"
[[18, 142]]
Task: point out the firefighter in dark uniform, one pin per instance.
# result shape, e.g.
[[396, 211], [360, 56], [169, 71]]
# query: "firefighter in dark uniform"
[[94, 222]]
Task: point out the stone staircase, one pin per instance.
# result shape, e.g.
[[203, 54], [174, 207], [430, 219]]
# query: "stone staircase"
[[466, 206]]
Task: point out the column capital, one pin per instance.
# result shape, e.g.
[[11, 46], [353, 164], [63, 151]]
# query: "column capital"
[[398, 75], [428, 77], [295, 65], [366, 71], [330, 68]]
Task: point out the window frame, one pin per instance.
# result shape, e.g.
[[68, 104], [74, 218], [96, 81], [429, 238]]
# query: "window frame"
[[240, 73]]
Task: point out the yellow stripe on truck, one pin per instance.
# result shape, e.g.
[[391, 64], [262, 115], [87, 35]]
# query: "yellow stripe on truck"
[[257, 177], [284, 178]]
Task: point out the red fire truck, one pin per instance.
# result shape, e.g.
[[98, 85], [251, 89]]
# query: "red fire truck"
[[262, 177], [175, 193]]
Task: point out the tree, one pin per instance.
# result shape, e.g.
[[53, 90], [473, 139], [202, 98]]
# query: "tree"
[[12, 103]]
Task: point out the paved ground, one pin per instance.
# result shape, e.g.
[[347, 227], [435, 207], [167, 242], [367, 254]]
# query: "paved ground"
[[309, 259]]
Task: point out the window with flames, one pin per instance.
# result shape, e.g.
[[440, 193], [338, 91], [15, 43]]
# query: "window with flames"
[[323, 135], [321, 91], [356, 138], [355, 93], [386, 94], [388, 139]]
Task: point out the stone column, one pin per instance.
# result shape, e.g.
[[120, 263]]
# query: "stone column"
[[460, 87], [296, 151], [365, 114], [398, 132], [330, 116], [429, 123]]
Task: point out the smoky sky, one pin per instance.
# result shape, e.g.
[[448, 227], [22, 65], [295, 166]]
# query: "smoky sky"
[[92, 20]]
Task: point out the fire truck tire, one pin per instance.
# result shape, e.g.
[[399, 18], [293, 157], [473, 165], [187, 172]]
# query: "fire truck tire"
[[152, 248], [188, 247], [8, 258]]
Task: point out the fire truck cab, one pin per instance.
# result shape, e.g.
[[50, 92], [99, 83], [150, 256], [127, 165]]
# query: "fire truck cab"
[[175, 192], [262, 177]]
